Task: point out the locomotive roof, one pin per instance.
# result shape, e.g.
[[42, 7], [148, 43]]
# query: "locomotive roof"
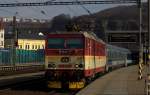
[[93, 36], [85, 33]]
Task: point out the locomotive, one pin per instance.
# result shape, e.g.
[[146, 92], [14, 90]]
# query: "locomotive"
[[74, 58]]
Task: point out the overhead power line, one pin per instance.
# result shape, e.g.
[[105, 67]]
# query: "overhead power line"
[[89, 12], [68, 3]]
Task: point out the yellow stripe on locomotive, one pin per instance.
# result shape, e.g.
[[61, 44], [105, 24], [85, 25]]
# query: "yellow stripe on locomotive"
[[64, 62]]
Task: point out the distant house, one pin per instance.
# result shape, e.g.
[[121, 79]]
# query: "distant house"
[[31, 42], [27, 41], [30, 33], [1, 35]]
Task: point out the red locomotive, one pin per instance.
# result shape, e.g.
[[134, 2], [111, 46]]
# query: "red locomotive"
[[73, 58]]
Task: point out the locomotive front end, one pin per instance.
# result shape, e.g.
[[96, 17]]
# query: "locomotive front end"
[[64, 61]]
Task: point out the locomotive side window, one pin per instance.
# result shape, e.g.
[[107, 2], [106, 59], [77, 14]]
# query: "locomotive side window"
[[56, 43]]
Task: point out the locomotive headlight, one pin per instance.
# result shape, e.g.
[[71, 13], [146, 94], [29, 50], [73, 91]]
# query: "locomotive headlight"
[[80, 65], [51, 65], [76, 65]]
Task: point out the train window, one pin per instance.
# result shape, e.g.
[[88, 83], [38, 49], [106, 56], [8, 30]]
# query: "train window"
[[74, 43], [56, 43]]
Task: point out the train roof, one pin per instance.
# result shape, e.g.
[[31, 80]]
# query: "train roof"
[[84, 33], [93, 36], [118, 48]]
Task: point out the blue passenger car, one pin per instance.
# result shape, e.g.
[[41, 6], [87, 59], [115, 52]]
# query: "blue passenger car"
[[117, 57]]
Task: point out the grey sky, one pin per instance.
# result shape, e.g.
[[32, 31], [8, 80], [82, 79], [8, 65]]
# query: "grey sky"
[[47, 12]]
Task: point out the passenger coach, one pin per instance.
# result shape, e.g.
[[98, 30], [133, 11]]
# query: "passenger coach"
[[117, 57]]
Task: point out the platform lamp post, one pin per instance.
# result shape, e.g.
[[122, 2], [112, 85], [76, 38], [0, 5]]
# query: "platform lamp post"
[[140, 76], [148, 54], [148, 38]]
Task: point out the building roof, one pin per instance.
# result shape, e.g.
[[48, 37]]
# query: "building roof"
[[31, 36]]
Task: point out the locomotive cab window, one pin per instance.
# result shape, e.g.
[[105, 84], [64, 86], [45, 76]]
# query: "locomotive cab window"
[[74, 43], [56, 43]]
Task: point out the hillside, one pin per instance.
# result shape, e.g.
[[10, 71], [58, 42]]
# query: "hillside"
[[123, 12], [117, 18]]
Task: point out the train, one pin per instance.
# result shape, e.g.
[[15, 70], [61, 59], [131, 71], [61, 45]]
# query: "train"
[[117, 57], [73, 59]]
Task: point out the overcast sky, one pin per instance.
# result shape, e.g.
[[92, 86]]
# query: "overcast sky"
[[47, 12]]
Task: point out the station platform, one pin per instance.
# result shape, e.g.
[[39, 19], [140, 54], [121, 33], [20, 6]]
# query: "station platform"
[[123, 81]]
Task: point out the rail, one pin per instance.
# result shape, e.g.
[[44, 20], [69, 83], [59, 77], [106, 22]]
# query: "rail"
[[22, 67]]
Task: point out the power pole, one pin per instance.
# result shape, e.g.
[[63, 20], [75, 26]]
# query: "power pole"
[[13, 41], [104, 24]]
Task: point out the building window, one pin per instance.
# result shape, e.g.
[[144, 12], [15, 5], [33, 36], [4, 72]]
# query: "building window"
[[35, 46], [26, 47], [42, 46], [1, 35], [2, 43], [20, 46], [38, 46], [32, 46]]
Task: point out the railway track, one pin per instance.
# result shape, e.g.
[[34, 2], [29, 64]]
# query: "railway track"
[[32, 87], [35, 86], [54, 92], [20, 69]]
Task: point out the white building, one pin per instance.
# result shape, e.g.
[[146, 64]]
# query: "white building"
[[1, 37]]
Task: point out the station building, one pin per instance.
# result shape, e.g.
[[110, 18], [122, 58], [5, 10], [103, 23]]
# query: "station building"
[[1, 35], [31, 42]]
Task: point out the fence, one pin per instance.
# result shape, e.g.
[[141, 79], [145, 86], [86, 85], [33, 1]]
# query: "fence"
[[22, 67], [22, 56]]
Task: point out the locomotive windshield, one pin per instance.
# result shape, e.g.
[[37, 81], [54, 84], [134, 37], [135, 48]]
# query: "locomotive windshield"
[[74, 43], [56, 43], [59, 43]]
